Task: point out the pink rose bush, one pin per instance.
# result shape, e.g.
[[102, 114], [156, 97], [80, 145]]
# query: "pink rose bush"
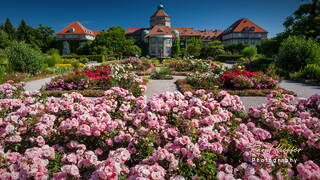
[[170, 136]]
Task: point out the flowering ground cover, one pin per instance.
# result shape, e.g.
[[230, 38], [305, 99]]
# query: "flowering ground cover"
[[96, 78], [138, 66], [171, 136], [235, 81], [186, 67]]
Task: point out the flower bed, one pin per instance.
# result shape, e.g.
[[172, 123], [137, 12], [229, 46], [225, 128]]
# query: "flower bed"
[[97, 78], [184, 86], [235, 81], [138, 66], [190, 66], [172, 136]]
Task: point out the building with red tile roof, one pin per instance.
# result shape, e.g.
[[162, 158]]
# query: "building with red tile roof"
[[244, 31], [161, 36]]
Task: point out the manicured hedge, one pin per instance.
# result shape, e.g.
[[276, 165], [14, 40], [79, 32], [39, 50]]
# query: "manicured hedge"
[[228, 57], [260, 64], [98, 58]]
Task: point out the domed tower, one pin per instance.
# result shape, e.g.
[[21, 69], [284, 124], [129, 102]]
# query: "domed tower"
[[160, 17]]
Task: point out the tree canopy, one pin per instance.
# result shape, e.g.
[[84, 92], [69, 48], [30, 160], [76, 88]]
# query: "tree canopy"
[[112, 42], [305, 21], [213, 49], [194, 47]]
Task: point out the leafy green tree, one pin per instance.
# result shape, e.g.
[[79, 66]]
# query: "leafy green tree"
[[44, 37], [269, 47], [249, 52], [176, 52], [26, 34], [213, 49], [235, 48], [23, 58], [305, 21], [295, 53], [10, 29], [4, 39], [194, 47], [112, 42]]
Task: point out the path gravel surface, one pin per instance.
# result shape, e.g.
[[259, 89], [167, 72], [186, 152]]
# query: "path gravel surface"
[[301, 89], [161, 86], [37, 84]]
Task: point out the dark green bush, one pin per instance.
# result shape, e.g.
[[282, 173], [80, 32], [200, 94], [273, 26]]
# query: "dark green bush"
[[98, 58], [164, 73], [24, 59], [295, 53], [311, 71], [228, 57], [260, 64]]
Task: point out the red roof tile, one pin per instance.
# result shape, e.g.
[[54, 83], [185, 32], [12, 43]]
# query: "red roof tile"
[[133, 30], [160, 13], [76, 28], [242, 24], [160, 30], [98, 32]]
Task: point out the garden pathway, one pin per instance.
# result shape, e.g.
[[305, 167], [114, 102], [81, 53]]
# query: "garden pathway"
[[161, 86], [37, 84], [301, 89]]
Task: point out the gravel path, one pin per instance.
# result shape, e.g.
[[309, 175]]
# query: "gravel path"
[[161, 86], [301, 89], [37, 84]]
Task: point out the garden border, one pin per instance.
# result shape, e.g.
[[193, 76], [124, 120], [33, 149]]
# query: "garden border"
[[183, 86]]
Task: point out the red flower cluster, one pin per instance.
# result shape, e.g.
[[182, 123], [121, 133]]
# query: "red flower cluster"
[[100, 72], [228, 76]]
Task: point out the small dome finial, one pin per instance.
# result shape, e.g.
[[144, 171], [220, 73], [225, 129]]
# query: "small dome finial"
[[160, 6]]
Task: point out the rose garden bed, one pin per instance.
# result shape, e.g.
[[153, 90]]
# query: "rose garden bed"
[[184, 86], [170, 136], [94, 81], [236, 82], [186, 67]]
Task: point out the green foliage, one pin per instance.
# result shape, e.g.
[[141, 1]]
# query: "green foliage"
[[213, 49], [270, 47], [295, 53], [164, 73], [311, 71], [249, 52], [235, 48], [86, 58], [4, 39], [305, 21], [53, 51], [176, 52], [59, 69], [205, 167], [112, 43], [259, 64], [3, 63], [23, 58], [9, 29], [228, 57], [194, 47]]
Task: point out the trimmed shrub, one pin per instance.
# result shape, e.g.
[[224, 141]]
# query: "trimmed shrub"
[[249, 52], [295, 53], [98, 58], [229, 57], [260, 64], [311, 71], [24, 59]]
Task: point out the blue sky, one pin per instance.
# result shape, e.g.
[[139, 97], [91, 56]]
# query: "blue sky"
[[101, 14]]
